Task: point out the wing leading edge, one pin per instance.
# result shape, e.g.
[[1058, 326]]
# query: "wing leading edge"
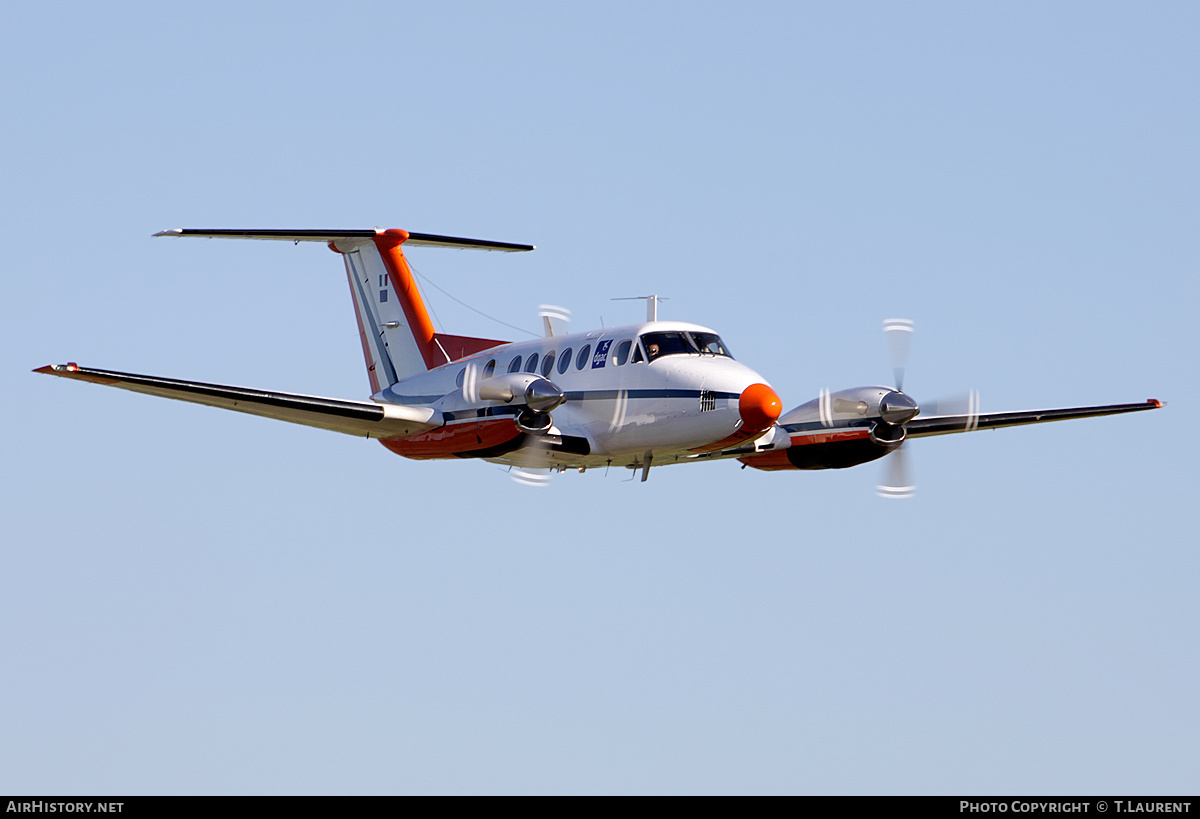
[[360, 418]]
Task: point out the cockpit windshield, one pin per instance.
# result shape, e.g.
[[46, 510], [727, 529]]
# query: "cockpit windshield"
[[674, 342], [710, 343]]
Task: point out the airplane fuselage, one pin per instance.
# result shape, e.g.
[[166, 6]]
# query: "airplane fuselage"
[[620, 385]]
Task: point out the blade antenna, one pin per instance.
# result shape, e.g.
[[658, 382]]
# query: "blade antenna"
[[651, 304]]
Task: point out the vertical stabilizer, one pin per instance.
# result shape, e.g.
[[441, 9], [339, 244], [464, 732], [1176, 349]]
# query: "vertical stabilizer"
[[398, 338]]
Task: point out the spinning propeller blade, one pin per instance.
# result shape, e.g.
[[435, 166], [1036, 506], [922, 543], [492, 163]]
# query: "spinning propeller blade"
[[538, 470], [551, 313], [896, 481], [470, 387], [966, 404], [899, 333], [541, 397], [825, 408], [528, 476]]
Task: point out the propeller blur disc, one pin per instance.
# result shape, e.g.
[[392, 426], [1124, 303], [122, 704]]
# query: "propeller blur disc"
[[965, 405]]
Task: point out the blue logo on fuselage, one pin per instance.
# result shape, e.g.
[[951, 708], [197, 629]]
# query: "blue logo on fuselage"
[[600, 357]]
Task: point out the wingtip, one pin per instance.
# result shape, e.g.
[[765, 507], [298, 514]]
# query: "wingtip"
[[170, 232], [55, 369], [1157, 404]]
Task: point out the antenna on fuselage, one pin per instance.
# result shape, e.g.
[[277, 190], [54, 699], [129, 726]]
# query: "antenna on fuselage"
[[651, 304]]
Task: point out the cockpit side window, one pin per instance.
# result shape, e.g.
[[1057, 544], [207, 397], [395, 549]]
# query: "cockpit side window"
[[672, 342]]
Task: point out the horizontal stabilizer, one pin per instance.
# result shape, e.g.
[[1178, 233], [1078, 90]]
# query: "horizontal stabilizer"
[[414, 239], [362, 418]]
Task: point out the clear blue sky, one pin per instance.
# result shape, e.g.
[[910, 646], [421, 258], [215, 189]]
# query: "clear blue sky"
[[203, 602]]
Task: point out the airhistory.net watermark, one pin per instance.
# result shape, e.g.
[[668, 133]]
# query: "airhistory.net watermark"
[[40, 806]]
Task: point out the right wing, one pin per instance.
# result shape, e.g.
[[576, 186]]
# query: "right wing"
[[361, 418], [946, 424]]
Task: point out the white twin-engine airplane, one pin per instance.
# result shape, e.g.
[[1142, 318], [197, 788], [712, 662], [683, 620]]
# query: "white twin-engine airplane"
[[655, 393]]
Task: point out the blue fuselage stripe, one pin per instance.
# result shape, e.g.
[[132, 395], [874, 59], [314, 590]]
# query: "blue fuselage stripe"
[[582, 395]]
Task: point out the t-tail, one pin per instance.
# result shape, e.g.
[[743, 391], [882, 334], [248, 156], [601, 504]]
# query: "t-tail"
[[398, 338]]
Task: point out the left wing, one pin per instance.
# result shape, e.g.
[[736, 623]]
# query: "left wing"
[[946, 424], [362, 418]]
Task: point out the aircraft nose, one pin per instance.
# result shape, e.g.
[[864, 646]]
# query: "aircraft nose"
[[759, 407]]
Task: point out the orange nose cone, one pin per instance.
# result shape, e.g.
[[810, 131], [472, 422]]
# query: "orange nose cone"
[[759, 406]]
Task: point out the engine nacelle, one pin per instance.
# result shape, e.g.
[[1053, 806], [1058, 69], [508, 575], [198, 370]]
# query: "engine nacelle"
[[537, 393], [832, 409], [840, 429]]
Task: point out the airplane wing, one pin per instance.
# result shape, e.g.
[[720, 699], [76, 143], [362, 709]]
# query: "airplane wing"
[[946, 424], [362, 418]]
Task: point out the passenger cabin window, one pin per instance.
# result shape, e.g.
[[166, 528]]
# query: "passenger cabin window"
[[564, 363], [623, 351], [514, 366], [531, 365], [489, 369], [548, 364], [585, 355], [458, 379]]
